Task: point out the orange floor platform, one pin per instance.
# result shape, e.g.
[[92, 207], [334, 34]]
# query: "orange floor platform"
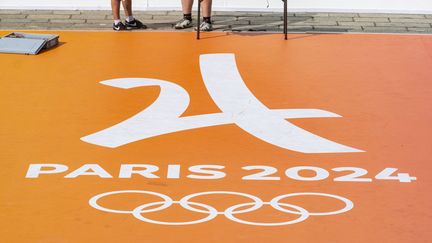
[[158, 137]]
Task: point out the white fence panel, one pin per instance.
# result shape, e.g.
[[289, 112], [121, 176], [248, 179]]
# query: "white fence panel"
[[389, 6]]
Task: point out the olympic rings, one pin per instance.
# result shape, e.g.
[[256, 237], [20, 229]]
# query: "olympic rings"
[[213, 212]]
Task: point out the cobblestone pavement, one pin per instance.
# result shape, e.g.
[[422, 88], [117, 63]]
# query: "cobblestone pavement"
[[223, 21]]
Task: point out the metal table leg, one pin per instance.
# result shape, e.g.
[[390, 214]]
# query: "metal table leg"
[[286, 19], [199, 19]]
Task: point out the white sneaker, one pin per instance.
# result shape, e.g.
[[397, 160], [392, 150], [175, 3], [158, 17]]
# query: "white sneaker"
[[183, 24], [206, 26]]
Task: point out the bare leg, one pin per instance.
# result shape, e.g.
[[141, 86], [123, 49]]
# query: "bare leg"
[[187, 6], [115, 6], [206, 8], [127, 5], [206, 4]]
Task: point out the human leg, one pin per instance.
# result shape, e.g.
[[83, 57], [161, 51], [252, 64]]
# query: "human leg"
[[187, 6], [131, 22], [206, 25], [127, 5], [115, 6], [186, 21], [206, 8]]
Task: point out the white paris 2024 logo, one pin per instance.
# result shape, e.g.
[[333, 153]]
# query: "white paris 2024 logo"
[[234, 99]]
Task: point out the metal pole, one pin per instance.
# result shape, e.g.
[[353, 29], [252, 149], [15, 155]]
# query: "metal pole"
[[199, 19], [286, 19]]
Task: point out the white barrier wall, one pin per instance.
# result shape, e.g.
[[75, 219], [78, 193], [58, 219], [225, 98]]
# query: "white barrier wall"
[[390, 6]]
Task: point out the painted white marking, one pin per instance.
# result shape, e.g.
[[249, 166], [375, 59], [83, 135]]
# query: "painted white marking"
[[231, 95], [37, 169], [230, 213]]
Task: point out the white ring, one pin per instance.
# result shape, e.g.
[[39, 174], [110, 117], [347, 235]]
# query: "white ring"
[[137, 213], [212, 212], [303, 212], [93, 201], [184, 202], [348, 203]]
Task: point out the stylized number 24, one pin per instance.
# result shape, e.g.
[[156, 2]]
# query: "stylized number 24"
[[235, 100]]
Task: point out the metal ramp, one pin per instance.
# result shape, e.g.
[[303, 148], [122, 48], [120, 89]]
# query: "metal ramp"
[[24, 43]]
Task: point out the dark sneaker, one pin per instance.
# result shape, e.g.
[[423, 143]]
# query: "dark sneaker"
[[118, 27], [135, 24]]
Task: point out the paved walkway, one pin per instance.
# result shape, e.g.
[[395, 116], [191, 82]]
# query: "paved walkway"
[[224, 21]]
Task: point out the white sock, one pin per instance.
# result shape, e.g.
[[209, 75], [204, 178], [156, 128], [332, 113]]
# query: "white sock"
[[130, 18], [117, 21]]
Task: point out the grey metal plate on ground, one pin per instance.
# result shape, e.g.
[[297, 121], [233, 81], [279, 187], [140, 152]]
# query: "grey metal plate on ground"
[[23, 43]]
